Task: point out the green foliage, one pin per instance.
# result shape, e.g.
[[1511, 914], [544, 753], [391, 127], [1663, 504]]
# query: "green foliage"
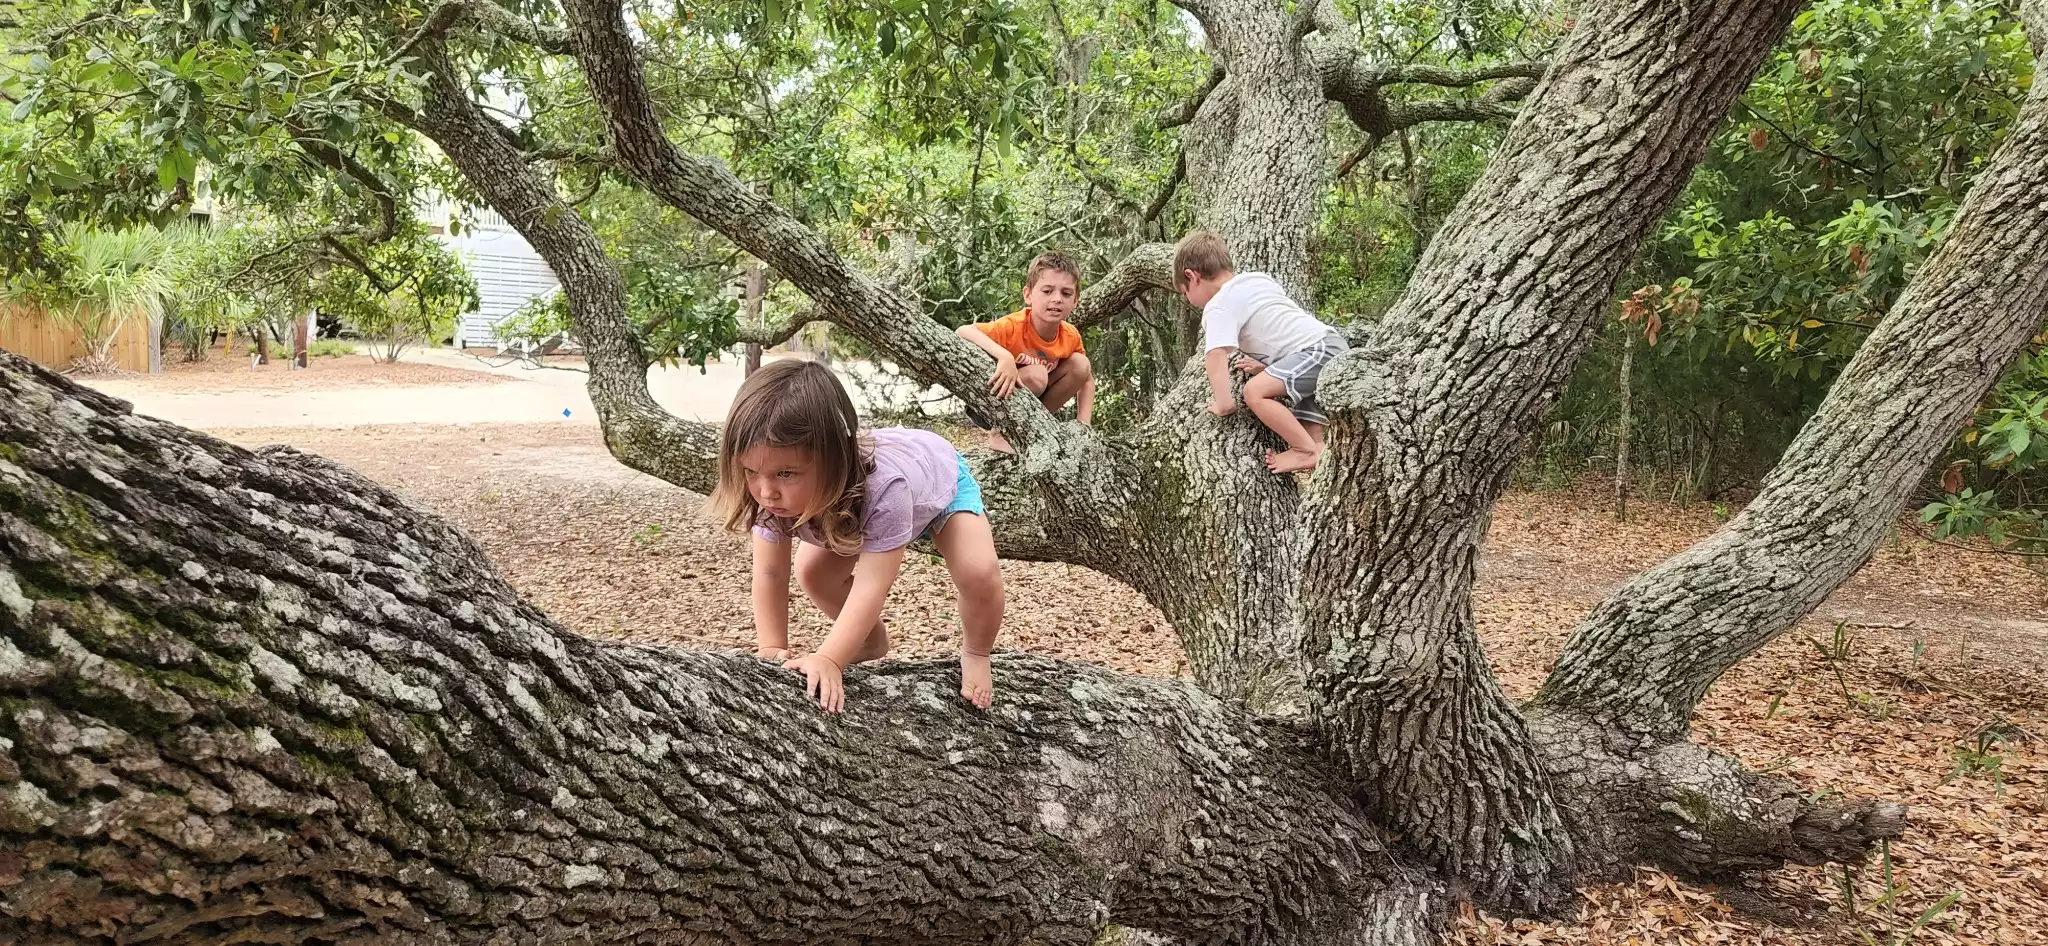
[[99, 280], [330, 348], [1996, 486], [421, 291], [1838, 172]]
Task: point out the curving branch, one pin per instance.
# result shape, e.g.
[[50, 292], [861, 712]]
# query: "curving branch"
[[777, 331], [1360, 87], [707, 190], [1357, 157], [1648, 654], [1186, 111], [487, 15], [1168, 189], [638, 431], [1146, 268]]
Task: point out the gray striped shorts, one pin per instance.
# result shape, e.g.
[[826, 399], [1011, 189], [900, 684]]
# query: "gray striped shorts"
[[1298, 372]]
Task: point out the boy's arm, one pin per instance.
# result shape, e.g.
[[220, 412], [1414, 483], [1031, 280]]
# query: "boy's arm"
[[1217, 363], [1084, 402], [771, 597], [1004, 380], [973, 333]]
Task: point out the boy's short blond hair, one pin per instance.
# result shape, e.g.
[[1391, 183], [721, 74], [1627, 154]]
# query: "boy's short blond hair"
[[1051, 261], [1204, 252]]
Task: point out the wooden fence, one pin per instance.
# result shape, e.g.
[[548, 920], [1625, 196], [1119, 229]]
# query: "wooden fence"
[[46, 341]]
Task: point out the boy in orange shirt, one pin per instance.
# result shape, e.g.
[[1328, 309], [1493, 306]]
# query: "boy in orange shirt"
[[1035, 348]]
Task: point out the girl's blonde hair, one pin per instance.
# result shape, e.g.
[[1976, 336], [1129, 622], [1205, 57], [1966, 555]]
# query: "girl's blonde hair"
[[799, 404]]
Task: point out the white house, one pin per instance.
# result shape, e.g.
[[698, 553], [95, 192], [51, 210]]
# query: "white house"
[[507, 269]]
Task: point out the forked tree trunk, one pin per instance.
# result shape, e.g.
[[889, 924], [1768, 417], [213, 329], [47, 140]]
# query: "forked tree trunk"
[[1429, 420], [1432, 417], [1645, 658]]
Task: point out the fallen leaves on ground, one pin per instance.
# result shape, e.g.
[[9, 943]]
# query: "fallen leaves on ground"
[[1933, 694]]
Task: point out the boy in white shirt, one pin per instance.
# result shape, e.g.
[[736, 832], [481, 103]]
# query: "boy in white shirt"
[[1279, 343]]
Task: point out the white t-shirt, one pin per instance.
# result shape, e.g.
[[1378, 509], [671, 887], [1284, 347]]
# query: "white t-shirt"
[[1253, 314]]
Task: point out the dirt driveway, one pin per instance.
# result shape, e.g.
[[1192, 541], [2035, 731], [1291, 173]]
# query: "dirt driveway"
[[433, 386]]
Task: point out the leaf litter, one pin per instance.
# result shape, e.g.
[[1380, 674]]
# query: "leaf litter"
[[1922, 680]]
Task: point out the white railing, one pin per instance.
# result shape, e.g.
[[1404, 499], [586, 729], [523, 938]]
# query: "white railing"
[[436, 210]]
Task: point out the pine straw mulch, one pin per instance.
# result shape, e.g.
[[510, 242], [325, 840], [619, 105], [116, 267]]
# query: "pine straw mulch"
[[1933, 694]]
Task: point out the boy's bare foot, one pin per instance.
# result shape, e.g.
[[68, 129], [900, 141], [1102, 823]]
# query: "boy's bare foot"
[[977, 683], [999, 443], [1293, 461]]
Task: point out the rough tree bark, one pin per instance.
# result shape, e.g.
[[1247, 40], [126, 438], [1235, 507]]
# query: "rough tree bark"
[[1429, 419], [255, 697], [1646, 657]]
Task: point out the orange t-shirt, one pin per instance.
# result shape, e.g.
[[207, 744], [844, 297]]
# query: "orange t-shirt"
[[1015, 333]]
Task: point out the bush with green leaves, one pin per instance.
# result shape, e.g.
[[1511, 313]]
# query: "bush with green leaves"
[[418, 291], [1995, 487], [101, 280], [1838, 172]]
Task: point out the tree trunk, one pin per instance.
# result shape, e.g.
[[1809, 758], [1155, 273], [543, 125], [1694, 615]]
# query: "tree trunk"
[[757, 290], [1646, 656], [300, 330], [257, 697], [1429, 419], [1623, 426], [260, 332]]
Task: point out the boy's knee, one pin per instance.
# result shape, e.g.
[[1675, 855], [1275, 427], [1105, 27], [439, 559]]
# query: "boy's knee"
[[1034, 378], [1263, 387], [1077, 365]]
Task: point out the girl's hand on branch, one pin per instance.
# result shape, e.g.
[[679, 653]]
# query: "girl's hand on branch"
[[823, 681]]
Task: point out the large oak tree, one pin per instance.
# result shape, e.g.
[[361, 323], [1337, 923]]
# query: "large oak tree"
[[256, 696]]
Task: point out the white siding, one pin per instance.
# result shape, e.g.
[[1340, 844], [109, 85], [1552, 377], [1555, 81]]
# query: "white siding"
[[508, 272]]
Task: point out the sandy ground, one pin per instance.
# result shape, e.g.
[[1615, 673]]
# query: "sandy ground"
[[426, 386], [1946, 646]]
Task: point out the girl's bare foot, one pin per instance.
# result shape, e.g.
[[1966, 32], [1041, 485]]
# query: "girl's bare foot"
[[999, 443], [876, 646], [977, 683], [1293, 461]]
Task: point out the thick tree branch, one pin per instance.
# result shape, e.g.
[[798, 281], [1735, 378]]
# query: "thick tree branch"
[[777, 331], [1361, 89], [637, 430], [1147, 268], [1186, 111], [487, 15], [261, 698], [1430, 416], [1647, 655], [708, 191]]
